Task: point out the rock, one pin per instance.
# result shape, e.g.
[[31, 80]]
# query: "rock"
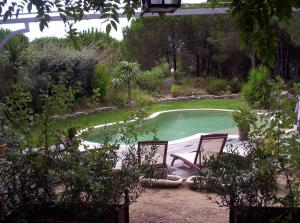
[[96, 110]]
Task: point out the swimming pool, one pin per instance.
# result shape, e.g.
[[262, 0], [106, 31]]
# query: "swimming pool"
[[174, 125]]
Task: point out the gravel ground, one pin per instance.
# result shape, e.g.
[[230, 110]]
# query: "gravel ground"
[[176, 206]]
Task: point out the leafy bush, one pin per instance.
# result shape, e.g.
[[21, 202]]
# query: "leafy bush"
[[152, 80], [217, 86], [235, 85], [258, 90], [79, 66], [175, 90], [62, 177], [241, 181], [199, 82], [142, 98], [186, 90], [115, 97], [101, 80], [190, 85], [244, 117], [267, 171], [18, 104]]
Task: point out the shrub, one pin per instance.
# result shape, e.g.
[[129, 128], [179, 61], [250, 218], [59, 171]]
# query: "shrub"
[[175, 90], [151, 80], [115, 97], [83, 185], [258, 90], [178, 75], [161, 70], [101, 80], [244, 118], [56, 62], [142, 98], [217, 86], [199, 82], [266, 171], [235, 85], [188, 85]]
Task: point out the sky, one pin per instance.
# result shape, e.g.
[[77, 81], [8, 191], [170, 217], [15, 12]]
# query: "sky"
[[57, 29]]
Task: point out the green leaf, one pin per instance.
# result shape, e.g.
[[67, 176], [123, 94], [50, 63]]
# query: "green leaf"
[[114, 25], [108, 29], [115, 17]]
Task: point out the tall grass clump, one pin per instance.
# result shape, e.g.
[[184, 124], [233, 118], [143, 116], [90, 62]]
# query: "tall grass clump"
[[258, 90]]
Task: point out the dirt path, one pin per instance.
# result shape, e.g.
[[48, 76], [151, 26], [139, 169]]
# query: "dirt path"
[[176, 206]]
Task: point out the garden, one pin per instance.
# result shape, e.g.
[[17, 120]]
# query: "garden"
[[53, 92]]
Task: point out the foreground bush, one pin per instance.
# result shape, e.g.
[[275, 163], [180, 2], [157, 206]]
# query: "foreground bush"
[[85, 184], [48, 170], [267, 172]]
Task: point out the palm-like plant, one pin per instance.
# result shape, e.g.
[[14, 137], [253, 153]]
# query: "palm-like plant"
[[3, 115], [125, 74], [3, 110], [12, 61], [12, 71]]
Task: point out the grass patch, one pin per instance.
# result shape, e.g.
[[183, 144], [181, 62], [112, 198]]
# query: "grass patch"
[[120, 114]]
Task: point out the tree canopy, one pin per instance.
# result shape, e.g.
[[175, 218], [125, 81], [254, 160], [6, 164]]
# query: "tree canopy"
[[255, 20]]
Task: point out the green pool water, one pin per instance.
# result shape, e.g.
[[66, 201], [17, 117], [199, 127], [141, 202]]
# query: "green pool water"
[[180, 124]]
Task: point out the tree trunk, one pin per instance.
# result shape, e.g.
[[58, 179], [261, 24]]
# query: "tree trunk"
[[198, 65], [174, 51], [129, 92], [282, 55], [203, 64], [168, 59], [253, 59]]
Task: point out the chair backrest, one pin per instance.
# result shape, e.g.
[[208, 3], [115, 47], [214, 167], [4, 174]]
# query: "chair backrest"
[[160, 147], [212, 144]]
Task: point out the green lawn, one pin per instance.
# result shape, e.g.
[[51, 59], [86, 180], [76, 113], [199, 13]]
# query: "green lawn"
[[120, 114]]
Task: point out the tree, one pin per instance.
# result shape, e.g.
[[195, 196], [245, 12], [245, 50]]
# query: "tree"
[[108, 48], [256, 20], [71, 10], [125, 74], [202, 45], [147, 41], [195, 33]]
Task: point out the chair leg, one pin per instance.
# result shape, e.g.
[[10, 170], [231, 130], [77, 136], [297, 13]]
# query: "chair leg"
[[175, 158], [168, 169]]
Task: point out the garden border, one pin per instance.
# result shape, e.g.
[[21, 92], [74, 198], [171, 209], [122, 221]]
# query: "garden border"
[[160, 101]]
